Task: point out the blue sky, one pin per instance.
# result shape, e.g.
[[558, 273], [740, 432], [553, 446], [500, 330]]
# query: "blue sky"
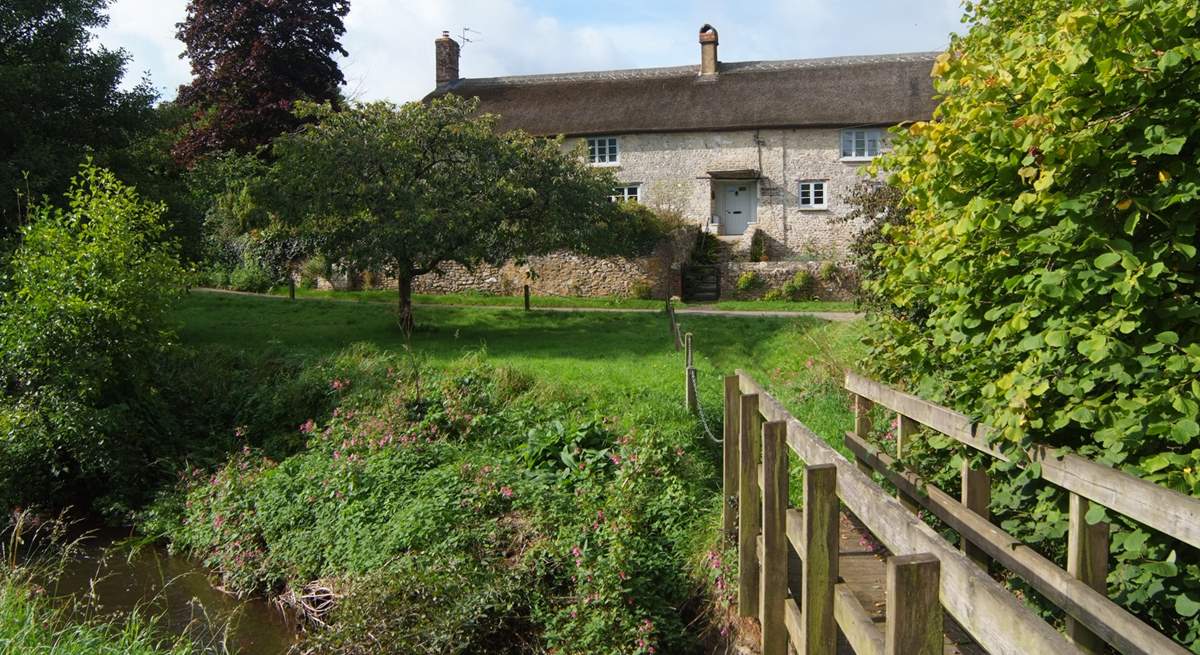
[[391, 41]]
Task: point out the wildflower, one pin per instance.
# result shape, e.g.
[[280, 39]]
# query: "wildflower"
[[616, 459], [336, 455], [239, 431], [507, 492]]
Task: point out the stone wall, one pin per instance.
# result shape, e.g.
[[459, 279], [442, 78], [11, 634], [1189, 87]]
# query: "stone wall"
[[839, 286], [561, 274]]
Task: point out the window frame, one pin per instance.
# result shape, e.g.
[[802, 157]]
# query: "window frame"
[[867, 133], [812, 188], [612, 150], [621, 193]]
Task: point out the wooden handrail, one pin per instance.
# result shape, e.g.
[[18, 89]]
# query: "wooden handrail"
[[1108, 620], [985, 609], [1165, 510]]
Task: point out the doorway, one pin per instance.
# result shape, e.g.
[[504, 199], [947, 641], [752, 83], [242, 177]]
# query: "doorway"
[[736, 205]]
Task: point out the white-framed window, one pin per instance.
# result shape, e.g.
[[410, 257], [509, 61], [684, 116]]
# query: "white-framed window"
[[860, 143], [811, 194], [603, 151], [627, 193]]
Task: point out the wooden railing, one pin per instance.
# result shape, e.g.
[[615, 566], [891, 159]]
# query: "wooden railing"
[[788, 558], [1080, 590]]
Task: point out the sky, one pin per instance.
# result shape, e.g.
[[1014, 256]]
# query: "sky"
[[390, 42]]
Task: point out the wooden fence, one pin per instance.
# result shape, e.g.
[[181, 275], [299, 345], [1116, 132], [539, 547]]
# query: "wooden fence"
[[1093, 620], [788, 557]]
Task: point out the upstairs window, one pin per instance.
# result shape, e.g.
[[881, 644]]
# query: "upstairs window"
[[629, 193], [811, 194], [860, 143], [602, 150]]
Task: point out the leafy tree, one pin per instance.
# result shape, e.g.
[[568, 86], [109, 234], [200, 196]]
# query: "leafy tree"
[[83, 318], [59, 98], [1055, 200], [875, 207], [402, 190], [251, 61]]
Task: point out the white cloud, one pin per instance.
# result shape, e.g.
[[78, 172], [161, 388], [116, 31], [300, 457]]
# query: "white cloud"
[[391, 41]]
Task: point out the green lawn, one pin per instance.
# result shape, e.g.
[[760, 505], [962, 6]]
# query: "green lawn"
[[605, 302], [608, 357]]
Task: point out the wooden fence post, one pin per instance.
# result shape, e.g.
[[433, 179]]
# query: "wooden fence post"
[[526, 297], [821, 550], [1087, 560], [729, 448], [773, 583], [914, 612], [862, 425], [748, 505], [977, 497], [689, 389], [906, 431]]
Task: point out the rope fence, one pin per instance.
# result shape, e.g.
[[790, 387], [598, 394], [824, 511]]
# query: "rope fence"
[[683, 341]]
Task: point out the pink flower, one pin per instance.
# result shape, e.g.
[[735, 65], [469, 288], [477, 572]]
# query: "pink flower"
[[239, 431], [507, 492], [336, 455], [308, 426], [616, 459]]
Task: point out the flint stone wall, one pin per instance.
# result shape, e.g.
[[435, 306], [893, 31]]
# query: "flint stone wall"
[[840, 286]]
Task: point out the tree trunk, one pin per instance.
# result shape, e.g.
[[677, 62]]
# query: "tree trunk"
[[291, 286], [405, 314]]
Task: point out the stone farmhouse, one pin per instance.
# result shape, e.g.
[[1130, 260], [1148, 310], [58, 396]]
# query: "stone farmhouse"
[[734, 147]]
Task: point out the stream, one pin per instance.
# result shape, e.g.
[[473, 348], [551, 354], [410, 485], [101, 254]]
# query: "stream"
[[111, 580]]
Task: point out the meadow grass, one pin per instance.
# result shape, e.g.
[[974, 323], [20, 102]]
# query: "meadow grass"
[[610, 358], [31, 625]]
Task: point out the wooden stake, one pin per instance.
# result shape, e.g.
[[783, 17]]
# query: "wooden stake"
[[730, 453], [749, 430], [526, 297], [977, 497], [821, 552], [1087, 560], [914, 613], [862, 425], [774, 578]]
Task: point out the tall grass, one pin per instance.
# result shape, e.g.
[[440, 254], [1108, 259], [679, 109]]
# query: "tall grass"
[[35, 551]]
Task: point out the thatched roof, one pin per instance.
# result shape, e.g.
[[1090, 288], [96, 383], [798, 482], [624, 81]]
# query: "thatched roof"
[[834, 92]]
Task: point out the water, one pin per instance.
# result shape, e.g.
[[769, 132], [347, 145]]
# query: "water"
[[111, 580]]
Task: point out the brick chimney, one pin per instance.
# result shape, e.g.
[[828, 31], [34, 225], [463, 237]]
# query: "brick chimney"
[[708, 50], [447, 59]]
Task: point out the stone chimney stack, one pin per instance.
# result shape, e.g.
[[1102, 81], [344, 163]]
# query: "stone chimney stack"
[[708, 50], [447, 59]]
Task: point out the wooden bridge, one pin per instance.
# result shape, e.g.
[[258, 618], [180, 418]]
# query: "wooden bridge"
[[791, 561], [815, 590]]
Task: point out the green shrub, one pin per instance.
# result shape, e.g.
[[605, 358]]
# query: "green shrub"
[[313, 270], [797, 288], [642, 290], [758, 246], [251, 277], [1052, 244], [828, 272], [749, 281], [457, 510], [84, 320]]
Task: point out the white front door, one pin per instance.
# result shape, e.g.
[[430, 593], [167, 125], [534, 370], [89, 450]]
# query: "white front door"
[[737, 210]]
